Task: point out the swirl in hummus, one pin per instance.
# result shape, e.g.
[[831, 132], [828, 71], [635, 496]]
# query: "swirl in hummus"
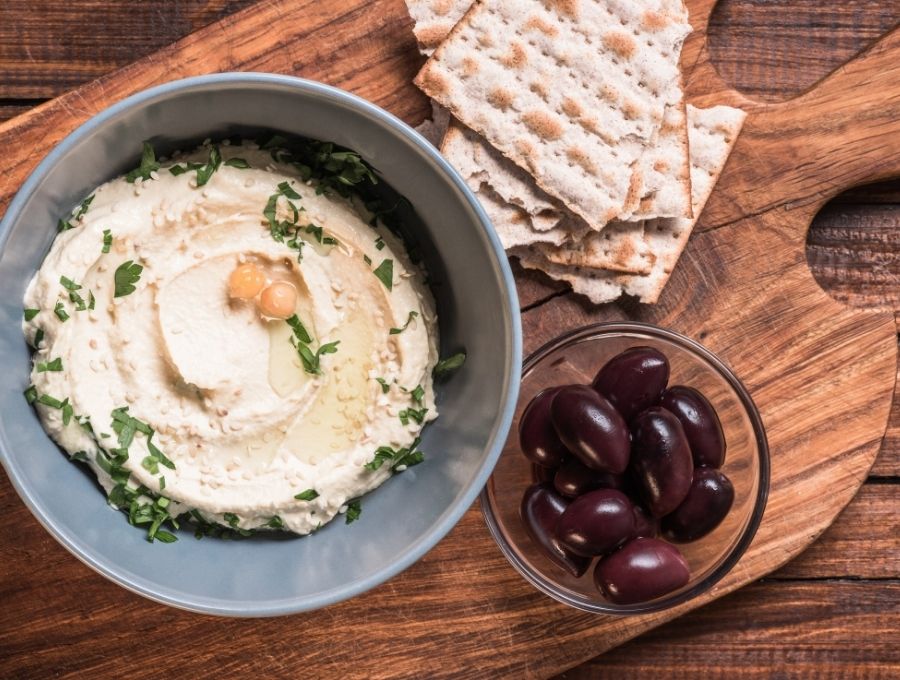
[[225, 336]]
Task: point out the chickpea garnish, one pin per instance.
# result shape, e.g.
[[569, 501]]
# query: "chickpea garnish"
[[279, 300], [246, 281]]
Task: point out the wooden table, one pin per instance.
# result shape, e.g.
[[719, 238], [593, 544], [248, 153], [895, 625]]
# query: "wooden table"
[[833, 611]]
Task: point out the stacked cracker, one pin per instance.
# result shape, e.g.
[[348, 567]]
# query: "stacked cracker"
[[571, 127]]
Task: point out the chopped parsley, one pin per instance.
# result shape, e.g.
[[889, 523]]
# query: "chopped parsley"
[[38, 336], [29, 314], [308, 495], [384, 385], [107, 241], [447, 367], [148, 164], [302, 341], [237, 163], [65, 225], [385, 273], [418, 395], [285, 231], [406, 457], [367, 259], [354, 510], [205, 172], [68, 283], [233, 520], [379, 243], [31, 394], [407, 414], [61, 312], [54, 366], [275, 522], [127, 274], [412, 315]]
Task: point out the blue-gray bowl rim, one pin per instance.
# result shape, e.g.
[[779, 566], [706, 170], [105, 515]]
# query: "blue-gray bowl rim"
[[416, 551]]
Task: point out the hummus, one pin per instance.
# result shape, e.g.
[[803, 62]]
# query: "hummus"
[[183, 398]]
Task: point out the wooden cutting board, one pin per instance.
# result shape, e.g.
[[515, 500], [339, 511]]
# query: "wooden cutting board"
[[822, 373]]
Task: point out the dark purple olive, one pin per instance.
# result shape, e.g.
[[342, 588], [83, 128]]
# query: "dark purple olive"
[[700, 423], [644, 569], [574, 478], [596, 522], [661, 462], [539, 473], [708, 501], [633, 380], [591, 428], [645, 525], [541, 509], [537, 438]]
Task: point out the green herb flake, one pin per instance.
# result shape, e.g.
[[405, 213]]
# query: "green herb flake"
[[80, 456], [83, 207], [418, 415], [31, 394], [127, 274], [379, 243], [92, 301], [308, 495], [61, 312], [107, 241], [299, 329], [367, 259], [162, 483], [412, 315], [52, 402], [385, 273], [29, 314], [418, 395], [53, 366], [354, 509], [384, 385], [275, 522], [80, 304], [148, 164], [447, 367], [205, 173], [286, 190], [239, 163], [68, 283]]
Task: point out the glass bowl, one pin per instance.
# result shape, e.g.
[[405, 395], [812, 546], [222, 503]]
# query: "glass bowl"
[[574, 358]]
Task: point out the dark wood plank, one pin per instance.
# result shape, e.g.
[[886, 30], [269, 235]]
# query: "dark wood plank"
[[863, 542], [835, 629], [773, 50], [51, 46]]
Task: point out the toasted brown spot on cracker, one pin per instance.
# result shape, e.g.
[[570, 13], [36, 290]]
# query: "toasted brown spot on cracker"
[[501, 98], [442, 7], [432, 36], [469, 66], [632, 198], [609, 93], [536, 23], [516, 57], [576, 155], [485, 39], [654, 21], [543, 124], [526, 149], [571, 108], [432, 82], [661, 166], [567, 7], [620, 43], [539, 89], [630, 110]]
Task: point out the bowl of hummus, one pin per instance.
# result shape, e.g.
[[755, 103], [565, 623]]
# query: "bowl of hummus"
[[273, 333]]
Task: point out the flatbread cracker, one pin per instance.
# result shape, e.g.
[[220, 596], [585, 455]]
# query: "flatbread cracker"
[[479, 163], [434, 19], [577, 113], [514, 226], [712, 133], [621, 247]]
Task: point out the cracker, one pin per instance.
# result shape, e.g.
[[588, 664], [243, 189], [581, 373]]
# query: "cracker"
[[514, 226], [712, 133], [434, 19], [479, 164], [621, 247], [435, 128], [570, 90]]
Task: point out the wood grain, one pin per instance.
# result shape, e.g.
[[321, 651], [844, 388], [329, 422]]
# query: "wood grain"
[[468, 613], [855, 636]]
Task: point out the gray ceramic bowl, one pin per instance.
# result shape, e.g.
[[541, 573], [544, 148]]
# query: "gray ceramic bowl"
[[402, 519]]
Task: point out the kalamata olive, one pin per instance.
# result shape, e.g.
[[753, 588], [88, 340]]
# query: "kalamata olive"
[[591, 428], [596, 523], [633, 380], [708, 501], [574, 478], [645, 525], [539, 473], [541, 509], [644, 569], [661, 462], [537, 438], [700, 423]]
